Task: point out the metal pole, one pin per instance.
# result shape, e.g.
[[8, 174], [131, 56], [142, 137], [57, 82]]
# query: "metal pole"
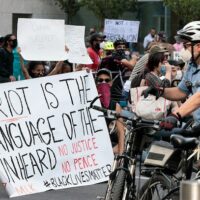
[[190, 190], [166, 20]]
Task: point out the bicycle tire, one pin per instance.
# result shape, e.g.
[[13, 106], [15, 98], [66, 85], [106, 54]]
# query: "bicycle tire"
[[118, 185], [161, 186]]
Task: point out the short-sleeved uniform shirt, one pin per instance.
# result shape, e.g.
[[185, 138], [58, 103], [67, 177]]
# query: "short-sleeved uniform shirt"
[[192, 75]]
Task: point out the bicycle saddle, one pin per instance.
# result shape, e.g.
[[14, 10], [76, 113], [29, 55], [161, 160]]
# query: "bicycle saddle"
[[181, 142]]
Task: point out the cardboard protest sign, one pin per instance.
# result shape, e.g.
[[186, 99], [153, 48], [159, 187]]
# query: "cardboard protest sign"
[[115, 29], [75, 41], [42, 39], [49, 137]]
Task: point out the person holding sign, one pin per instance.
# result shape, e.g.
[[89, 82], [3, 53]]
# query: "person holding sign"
[[6, 58], [37, 69]]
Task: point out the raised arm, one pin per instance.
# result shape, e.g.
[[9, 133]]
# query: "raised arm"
[[56, 69]]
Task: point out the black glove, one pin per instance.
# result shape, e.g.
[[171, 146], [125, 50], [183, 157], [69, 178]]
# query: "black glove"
[[170, 122], [156, 91], [194, 132]]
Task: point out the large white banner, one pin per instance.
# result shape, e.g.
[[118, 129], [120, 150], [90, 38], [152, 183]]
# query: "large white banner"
[[115, 29], [75, 41], [42, 39], [49, 137]]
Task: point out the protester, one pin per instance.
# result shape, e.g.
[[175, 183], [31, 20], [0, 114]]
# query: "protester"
[[103, 83], [158, 66], [160, 37], [1, 41], [94, 51], [87, 39], [149, 38], [6, 58], [119, 64], [178, 46], [108, 48]]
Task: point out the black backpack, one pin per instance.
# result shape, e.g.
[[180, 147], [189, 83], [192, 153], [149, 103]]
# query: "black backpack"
[[137, 79]]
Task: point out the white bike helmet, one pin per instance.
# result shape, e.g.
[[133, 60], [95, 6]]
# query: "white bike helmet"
[[190, 31]]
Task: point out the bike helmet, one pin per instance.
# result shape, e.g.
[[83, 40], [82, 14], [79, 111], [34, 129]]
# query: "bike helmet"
[[119, 42], [190, 31], [108, 46]]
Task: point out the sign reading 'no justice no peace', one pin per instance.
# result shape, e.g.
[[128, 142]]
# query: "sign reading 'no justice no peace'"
[[49, 137]]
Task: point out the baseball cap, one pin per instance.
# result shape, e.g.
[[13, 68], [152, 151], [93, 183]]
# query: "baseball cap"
[[157, 49], [94, 36], [104, 71]]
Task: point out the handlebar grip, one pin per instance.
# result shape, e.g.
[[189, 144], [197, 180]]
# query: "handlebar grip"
[[104, 110]]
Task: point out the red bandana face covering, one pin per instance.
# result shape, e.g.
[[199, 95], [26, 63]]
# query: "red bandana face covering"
[[104, 90]]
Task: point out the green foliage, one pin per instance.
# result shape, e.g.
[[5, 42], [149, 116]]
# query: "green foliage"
[[186, 10], [70, 7], [112, 9]]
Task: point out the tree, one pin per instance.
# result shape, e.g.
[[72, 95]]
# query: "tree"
[[186, 10], [70, 7], [112, 9]]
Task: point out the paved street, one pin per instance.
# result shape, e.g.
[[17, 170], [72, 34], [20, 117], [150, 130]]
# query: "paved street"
[[81, 193]]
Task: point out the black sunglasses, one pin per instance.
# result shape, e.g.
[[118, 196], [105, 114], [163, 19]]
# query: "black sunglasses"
[[100, 80]]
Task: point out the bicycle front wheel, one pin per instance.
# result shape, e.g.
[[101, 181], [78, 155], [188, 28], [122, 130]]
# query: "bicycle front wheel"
[[156, 188], [118, 185]]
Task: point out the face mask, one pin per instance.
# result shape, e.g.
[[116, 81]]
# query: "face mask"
[[104, 90], [179, 74], [163, 70], [97, 46], [14, 43], [102, 45]]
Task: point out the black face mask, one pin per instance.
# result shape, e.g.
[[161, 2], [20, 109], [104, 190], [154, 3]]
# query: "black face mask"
[[14, 43], [97, 46]]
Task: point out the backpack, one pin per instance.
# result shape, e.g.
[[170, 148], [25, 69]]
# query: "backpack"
[[137, 79]]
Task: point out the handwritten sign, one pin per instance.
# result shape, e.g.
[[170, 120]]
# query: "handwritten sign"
[[49, 137], [75, 42], [115, 29], [42, 39]]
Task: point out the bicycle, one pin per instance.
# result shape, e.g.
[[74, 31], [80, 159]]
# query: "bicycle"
[[164, 183], [121, 184]]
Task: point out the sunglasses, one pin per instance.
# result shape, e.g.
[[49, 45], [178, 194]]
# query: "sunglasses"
[[101, 80]]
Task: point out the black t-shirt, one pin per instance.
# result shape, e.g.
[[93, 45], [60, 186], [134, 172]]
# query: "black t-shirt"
[[118, 78], [6, 63]]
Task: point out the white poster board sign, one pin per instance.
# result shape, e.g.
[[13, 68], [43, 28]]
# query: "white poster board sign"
[[75, 41], [50, 138], [42, 39], [115, 29]]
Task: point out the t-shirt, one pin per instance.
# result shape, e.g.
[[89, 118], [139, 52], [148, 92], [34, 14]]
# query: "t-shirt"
[[95, 57], [117, 76], [6, 65]]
